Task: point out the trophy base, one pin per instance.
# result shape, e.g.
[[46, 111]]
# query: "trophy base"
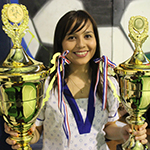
[[119, 147]]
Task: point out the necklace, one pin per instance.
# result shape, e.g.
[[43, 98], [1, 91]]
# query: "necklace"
[[81, 89]]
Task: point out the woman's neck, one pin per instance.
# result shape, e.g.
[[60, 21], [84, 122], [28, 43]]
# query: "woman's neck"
[[79, 70], [79, 80]]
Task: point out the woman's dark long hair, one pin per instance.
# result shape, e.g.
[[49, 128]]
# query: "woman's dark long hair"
[[62, 28]]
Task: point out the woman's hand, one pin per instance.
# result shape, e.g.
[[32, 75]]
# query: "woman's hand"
[[15, 134], [139, 135], [12, 133]]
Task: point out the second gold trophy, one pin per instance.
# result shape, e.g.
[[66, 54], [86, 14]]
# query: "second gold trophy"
[[134, 80]]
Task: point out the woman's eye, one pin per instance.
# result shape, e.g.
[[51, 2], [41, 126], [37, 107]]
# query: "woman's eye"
[[88, 36], [71, 38]]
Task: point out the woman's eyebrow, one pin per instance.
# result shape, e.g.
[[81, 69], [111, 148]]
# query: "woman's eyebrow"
[[70, 34], [86, 31], [89, 32]]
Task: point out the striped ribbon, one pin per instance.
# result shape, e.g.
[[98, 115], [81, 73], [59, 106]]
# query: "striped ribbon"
[[61, 103], [106, 63], [60, 79]]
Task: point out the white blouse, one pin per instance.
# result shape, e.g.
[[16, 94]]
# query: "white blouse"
[[51, 118]]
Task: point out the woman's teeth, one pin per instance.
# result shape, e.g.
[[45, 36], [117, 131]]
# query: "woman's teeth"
[[81, 53]]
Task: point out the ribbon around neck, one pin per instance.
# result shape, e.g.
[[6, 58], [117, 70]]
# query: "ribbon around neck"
[[61, 103], [59, 64]]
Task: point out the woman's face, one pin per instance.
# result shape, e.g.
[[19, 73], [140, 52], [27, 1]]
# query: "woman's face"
[[81, 44]]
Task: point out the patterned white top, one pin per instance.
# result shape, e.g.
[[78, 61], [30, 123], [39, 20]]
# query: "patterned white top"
[[51, 118]]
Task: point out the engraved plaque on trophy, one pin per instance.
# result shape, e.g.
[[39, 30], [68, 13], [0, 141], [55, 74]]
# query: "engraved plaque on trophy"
[[134, 81], [21, 78]]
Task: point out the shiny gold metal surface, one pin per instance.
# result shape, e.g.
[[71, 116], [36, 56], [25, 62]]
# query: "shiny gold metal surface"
[[134, 80], [21, 78], [15, 13]]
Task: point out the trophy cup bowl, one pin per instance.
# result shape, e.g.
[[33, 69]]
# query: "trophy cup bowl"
[[21, 78], [134, 80]]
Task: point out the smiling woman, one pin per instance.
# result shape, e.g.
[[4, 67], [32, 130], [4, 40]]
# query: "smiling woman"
[[76, 115]]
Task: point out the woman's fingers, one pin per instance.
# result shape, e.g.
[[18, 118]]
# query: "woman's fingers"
[[10, 142], [144, 141], [13, 143], [143, 126], [9, 131], [15, 147], [141, 134], [32, 129]]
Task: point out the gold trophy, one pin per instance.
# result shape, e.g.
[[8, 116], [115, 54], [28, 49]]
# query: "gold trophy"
[[21, 78], [134, 80]]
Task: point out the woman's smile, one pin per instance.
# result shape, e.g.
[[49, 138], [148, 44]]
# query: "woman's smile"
[[81, 53]]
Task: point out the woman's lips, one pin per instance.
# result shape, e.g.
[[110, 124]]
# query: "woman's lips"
[[81, 53]]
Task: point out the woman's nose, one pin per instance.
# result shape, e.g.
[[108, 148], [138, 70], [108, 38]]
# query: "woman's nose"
[[80, 43]]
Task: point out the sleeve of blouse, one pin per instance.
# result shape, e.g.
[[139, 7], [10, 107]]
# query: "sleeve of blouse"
[[113, 99], [41, 117]]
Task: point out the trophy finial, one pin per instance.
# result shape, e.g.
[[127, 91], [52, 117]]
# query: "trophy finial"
[[138, 33], [15, 19], [138, 28]]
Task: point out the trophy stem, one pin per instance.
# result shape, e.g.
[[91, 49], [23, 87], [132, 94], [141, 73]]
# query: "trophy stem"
[[23, 139], [135, 120]]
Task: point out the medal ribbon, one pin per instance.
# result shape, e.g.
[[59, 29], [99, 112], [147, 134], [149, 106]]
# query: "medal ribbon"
[[61, 103], [83, 126], [59, 64], [106, 63]]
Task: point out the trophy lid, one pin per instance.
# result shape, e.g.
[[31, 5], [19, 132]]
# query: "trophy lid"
[[138, 28], [18, 66]]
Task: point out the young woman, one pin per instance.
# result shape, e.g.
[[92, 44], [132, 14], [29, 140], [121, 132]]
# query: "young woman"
[[75, 116]]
